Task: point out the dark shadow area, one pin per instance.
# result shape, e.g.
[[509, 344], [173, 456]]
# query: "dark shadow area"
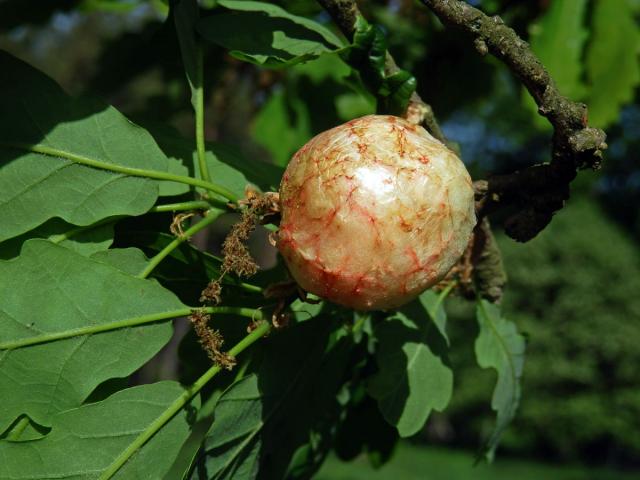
[[32, 104], [299, 374], [59, 230], [365, 431], [15, 13]]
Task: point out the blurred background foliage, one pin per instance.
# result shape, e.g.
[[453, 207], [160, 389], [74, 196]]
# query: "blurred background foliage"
[[574, 290]]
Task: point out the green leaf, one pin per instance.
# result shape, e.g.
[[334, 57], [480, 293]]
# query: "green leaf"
[[501, 347], [189, 451], [282, 126], [613, 65], [261, 420], [111, 6], [433, 303], [367, 55], [267, 35], [55, 291], [399, 87], [83, 240], [227, 166], [187, 270], [185, 17], [128, 260], [169, 189], [83, 441], [325, 87], [42, 129], [233, 442], [222, 157], [354, 105], [558, 40], [413, 376], [277, 12]]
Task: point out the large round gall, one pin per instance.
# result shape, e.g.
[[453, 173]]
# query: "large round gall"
[[374, 212]]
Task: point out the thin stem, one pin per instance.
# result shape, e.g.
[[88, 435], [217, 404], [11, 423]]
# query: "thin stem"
[[162, 254], [445, 292], [180, 402], [15, 433], [361, 317], [134, 172], [169, 207], [249, 287], [198, 94], [61, 237], [254, 314], [181, 206]]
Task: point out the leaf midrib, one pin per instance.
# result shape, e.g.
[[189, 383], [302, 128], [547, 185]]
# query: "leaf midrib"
[[505, 348]]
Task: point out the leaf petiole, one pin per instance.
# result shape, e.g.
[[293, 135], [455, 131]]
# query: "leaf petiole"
[[131, 171], [261, 330], [210, 217], [181, 206], [198, 97], [251, 313], [169, 207], [20, 427], [61, 237]]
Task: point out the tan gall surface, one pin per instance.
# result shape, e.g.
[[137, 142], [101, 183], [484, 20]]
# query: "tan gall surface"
[[374, 212]]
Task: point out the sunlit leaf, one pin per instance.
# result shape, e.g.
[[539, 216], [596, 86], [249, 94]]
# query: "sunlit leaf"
[[433, 303], [227, 165], [84, 441], [354, 105], [558, 39], [53, 290], [42, 129], [413, 377], [501, 347]]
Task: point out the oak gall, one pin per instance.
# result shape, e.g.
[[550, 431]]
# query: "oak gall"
[[374, 212]]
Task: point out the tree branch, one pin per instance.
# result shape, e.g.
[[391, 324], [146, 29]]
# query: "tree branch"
[[541, 190], [536, 192], [343, 13]]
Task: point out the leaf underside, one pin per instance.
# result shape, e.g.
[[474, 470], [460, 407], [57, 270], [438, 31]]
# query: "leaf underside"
[[267, 35]]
